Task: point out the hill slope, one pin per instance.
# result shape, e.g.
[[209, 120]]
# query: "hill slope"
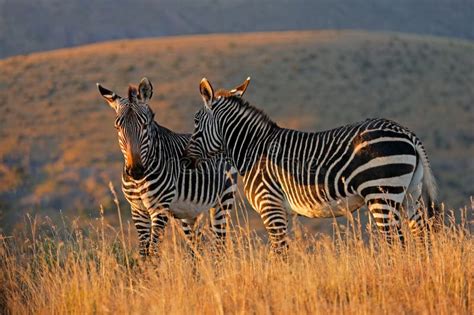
[[58, 146], [55, 24]]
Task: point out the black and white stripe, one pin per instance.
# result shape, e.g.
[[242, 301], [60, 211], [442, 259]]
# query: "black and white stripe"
[[155, 181], [376, 162]]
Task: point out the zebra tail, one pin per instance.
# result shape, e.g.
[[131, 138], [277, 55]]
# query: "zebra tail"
[[430, 186]]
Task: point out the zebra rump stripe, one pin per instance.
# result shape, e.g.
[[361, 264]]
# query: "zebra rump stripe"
[[154, 180], [376, 162]]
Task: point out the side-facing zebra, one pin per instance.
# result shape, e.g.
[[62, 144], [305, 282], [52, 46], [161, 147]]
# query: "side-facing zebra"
[[154, 181], [376, 162]]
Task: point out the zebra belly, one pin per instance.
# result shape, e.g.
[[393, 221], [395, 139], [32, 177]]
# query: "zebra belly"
[[184, 209], [334, 208]]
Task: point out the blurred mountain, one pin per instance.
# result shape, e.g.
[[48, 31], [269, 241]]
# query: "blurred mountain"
[[28, 26]]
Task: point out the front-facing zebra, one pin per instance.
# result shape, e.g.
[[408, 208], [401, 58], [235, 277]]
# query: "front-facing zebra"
[[153, 179], [323, 174]]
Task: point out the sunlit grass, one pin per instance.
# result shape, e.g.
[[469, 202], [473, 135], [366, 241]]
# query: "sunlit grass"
[[68, 269]]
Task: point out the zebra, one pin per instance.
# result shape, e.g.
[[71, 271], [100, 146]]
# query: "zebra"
[[154, 181], [376, 162]]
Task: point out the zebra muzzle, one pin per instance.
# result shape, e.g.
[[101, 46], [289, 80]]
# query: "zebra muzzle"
[[136, 172]]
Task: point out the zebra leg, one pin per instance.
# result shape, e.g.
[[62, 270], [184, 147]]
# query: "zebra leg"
[[276, 223], [218, 222], [275, 220], [159, 219], [387, 218], [418, 223], [413, 203], [188, 229], [141, 220], [219, 218], [266, 197], [219, 215], [192, 237]]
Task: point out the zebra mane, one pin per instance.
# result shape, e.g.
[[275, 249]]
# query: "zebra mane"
[[223, 93], [248, 107]]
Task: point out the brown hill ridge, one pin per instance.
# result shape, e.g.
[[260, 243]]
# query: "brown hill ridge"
[[58, 146]]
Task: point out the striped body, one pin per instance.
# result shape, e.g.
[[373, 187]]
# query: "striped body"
[[325, 174], [186, 192], [376, 162]]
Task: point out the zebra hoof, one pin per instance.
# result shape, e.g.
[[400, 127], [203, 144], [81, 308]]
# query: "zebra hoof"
[[280, 252]]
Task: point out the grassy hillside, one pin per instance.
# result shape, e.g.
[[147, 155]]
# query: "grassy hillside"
[[53, 24], [58, 146]]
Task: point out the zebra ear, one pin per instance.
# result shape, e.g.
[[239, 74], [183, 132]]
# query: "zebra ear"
[[207, 92], [109, 96], [145, 89], [240, 90]]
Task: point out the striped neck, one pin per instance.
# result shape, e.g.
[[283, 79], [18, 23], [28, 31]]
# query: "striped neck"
[[167, 147], [153, 147], [245, 131]]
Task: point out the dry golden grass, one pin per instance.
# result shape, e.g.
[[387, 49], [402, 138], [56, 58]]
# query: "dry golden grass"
[[67, 270]]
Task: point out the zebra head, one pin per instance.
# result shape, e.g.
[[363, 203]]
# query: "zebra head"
[[206, 140], [134, 124]]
